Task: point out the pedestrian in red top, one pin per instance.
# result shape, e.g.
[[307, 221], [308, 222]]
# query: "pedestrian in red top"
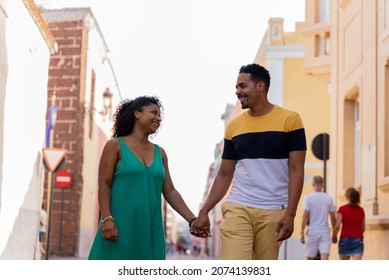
[[351, 217]]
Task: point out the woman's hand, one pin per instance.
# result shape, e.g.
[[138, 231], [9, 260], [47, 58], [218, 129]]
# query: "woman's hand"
[[109, 231], [201, 226]]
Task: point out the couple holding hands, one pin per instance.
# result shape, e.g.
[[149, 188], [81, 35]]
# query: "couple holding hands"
[[263, 157]]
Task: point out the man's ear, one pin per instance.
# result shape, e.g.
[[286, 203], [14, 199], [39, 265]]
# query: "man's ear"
[[261, 86]]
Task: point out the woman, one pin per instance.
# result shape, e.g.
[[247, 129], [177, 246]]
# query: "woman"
[[133, 172], [352, 218]]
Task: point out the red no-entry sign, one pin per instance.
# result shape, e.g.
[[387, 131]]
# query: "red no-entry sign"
[[63, 179]]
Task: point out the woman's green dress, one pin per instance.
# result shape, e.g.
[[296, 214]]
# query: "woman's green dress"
[[136, 207]]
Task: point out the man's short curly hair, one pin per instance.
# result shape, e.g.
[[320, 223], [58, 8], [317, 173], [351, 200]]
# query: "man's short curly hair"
[[257, 73]]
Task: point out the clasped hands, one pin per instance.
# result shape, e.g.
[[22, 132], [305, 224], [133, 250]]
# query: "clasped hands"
[[200, 227]]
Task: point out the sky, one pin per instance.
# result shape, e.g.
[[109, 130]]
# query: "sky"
[[188, 53]]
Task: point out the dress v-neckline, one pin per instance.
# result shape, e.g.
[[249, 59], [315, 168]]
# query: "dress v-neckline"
[[141, 162]]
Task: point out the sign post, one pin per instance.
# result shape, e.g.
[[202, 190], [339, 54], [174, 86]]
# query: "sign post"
[[63, 179], [53, 158], [320, 149]]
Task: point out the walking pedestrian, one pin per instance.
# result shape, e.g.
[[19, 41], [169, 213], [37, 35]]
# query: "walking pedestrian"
[[133, 175], [263, 155], [351, 217], [317, 206]]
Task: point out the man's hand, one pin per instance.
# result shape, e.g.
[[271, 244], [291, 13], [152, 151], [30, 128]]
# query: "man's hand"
[[201, 226], [285, 227]]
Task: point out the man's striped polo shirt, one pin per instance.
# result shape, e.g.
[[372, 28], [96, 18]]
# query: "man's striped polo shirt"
[[261, 145]]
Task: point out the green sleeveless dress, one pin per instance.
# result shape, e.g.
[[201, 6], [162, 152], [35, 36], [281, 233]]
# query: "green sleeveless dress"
[[136, 205]]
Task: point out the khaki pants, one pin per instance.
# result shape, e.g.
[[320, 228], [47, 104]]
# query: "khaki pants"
[[249, 233]]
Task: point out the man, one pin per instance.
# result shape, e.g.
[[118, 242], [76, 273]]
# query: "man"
[[264, 153], [317, 206]]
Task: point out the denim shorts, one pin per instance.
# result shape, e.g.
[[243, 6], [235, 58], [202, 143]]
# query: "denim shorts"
[[350, 246], [41, 235]]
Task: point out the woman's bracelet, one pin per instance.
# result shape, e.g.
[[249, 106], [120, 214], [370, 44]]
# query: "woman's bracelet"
[[191, 221], [102, 221]]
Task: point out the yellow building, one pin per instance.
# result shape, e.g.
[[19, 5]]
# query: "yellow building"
[[347, 45]]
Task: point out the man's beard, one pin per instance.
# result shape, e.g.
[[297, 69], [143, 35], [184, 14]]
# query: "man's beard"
[[245, 106]]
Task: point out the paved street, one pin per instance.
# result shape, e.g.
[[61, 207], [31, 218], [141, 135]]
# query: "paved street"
[[176, 256], [168, 257]]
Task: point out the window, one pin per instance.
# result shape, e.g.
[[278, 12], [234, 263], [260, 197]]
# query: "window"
[[352, 147], [327, 44], [318, 46], [324, 11]]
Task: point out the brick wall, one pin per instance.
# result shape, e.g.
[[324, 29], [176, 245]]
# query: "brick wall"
[[67, 79]]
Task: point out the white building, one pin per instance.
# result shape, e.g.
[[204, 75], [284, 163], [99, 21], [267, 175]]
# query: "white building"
[[25, 47]]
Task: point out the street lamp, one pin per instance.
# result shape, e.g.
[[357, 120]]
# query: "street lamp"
[[107, 102]]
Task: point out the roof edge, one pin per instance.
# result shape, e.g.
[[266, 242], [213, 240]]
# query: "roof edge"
[[41, 24], [88, 18]]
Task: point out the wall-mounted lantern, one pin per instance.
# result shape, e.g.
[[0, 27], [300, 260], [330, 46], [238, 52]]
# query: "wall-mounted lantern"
[[107, 102]]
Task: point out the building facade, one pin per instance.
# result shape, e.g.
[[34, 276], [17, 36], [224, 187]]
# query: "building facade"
[[352, 51], [83, 86], [25, 47]]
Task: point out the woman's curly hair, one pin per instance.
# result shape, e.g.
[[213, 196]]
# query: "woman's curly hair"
[[124, 117]]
